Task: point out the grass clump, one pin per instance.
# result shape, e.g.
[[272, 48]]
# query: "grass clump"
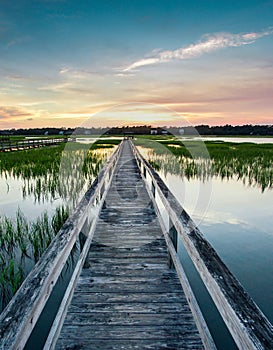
[[55, 172], [21, 246]]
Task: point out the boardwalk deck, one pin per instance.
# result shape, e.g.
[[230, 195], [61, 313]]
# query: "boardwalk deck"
[[127, 297]]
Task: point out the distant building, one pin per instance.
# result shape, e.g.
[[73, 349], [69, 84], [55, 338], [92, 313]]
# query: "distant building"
[[153, 131], [181, 131]]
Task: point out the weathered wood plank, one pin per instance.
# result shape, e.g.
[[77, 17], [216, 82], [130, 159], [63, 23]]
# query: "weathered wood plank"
[[133, 269], [134, 258], [83, 306], [129, 288], [158, 248], [129, 297], [132, 332], [128, 319], [139, 344]]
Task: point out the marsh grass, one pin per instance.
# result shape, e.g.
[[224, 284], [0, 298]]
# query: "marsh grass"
[[251, 163], [105, 143], [55, 172], [22, 244]]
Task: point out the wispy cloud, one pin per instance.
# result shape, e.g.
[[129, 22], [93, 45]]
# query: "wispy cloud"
[[208, 43], [18, 77], [7, 112], [36, 103], [18, 41], [70, 72], [58, 87]]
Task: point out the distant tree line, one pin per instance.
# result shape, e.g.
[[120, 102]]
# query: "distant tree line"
[[37, 131], [248, 129]]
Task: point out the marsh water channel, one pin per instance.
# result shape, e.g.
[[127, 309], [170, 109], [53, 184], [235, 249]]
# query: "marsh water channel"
[[231, 204]]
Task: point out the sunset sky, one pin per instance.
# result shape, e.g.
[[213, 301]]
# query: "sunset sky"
[[159, 62]]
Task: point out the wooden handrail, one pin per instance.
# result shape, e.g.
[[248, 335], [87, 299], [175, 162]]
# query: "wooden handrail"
[[247, 324], [21, 314]]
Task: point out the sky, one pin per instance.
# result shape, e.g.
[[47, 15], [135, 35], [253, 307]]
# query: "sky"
[[69, 63]]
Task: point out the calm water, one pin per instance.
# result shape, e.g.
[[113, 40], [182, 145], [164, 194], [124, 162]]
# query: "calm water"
[[234, 139], [237, 220], [12, 197]]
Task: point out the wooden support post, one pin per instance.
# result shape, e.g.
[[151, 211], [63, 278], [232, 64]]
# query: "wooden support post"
[[153, 189], [173, 236]]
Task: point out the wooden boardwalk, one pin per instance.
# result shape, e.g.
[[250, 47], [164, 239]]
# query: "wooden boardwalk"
[[7, 145], [127, 297]]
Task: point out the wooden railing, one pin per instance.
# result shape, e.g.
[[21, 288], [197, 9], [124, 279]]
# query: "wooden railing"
[[13, 145], [247, 324], [20, 316]]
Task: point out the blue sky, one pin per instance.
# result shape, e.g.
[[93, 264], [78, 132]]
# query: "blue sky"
[[63, 62]]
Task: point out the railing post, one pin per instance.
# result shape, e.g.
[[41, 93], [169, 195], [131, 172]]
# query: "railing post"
[[110, 172], [144, 171], [102, 190], [173, 236], [153, 189]]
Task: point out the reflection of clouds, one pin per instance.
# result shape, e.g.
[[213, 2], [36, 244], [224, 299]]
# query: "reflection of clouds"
[[233, 204], [219, 217], [9, 189]]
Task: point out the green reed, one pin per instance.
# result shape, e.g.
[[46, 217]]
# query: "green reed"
[[22, 243]]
